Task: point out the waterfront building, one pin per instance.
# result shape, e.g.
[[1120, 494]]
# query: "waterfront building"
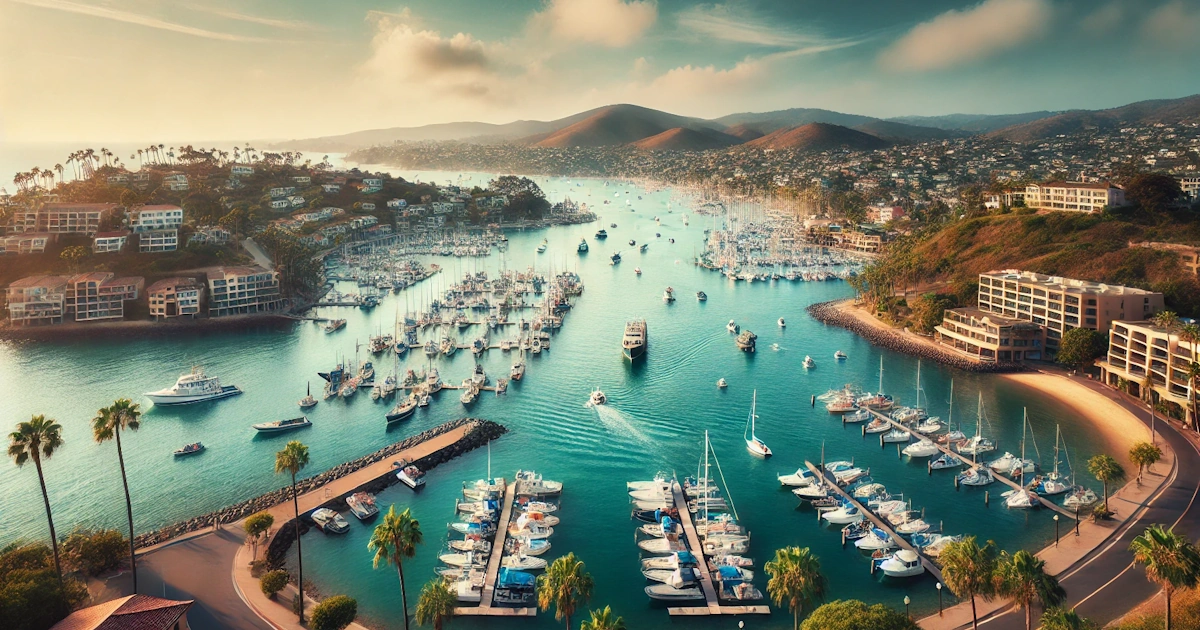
[[158, 241], [988, 337], [242, 290], [64, 218], [175, 297], [860, 241], [36, 300], [109, 242], [132, 612], [156, 217], [1074, 196], [1140, 354], [26, 243], [1059, 303], [100, 295]]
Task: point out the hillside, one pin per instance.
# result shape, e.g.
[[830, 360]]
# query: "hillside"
[[766, 122], [684, 139], [818, 137], [618, 124], [972, 123], [744, 132], [900, 133], [1143, 112]]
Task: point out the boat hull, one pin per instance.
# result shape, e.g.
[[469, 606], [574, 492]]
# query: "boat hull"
[[161, 399]]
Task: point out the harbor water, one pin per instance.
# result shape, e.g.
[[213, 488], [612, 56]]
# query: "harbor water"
[[658, 410]]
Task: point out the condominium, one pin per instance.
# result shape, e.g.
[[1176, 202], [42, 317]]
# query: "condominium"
[[155, 217], [241, 290], [108, 242], [64, 218], [1073, 196], [158, 241], [1059, 303], [100, 295], [175, 297], [1138, 350], [36, 300], [26, 243], [990, 338]]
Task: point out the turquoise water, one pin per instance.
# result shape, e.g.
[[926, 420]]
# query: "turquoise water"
[[657, 413]]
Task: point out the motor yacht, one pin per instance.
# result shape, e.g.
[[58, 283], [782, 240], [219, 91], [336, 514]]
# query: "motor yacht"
[[279, 426], [193, 387], [330, 521], [597, 398], [903, 563], [922, 448], [839, 355], [362, 505]]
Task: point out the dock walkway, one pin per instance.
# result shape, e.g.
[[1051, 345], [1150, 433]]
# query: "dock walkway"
[[875, 520], [485, 607]]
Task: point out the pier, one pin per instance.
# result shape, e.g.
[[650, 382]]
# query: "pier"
[[485, 607], [713, 604], [876, 521], [951, 452]]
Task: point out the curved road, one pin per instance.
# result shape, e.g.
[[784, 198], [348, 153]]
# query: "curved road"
[[1106, 583]]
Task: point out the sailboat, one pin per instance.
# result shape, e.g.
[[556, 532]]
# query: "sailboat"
[[753, 444], [1053, 483], [308, 402], [952, 435], [879, 401], [977, 444]]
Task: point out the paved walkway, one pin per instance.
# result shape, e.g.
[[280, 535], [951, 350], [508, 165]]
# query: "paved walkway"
[[260, 257], [1096, 567]]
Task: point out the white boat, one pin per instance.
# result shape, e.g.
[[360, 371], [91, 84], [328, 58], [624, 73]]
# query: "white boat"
[[669, 295], [808, 362], [518, 371], [1003, 464], [469, 393], [809, 493], [329, 521], [802, 477], [781, 323], [903, 563], [668, 593], [878, 425], [977, 444], [671, 562], [976, 476], [533, 546], [661, 546], [874, 540], [523, 563], [681, 576], [1054, 482], [896, 436], [411, 476], [532, 483], [661, 478], [469, 590], [929, 425], [597, 398], [637, 270], [868, 490], [923, 448], [193, 387], [308, 402], [1080, 497], [944, 462], [913, 526], [843, 515], [732, 326], [721, 384], [860, 415], [1021, 499], [279, 426], [753, 444], [885, 507], [459, 559], [838, 355], [362, 505]]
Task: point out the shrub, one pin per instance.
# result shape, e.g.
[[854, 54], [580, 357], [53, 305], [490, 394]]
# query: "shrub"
[[334, 613], [95, 552], [31, 596], [272, 582]]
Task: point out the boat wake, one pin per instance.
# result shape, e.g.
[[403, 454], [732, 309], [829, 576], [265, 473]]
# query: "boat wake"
[[616, 422]]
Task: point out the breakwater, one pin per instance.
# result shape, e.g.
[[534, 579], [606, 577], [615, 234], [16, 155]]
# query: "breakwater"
[[479, 435], [829, 313]]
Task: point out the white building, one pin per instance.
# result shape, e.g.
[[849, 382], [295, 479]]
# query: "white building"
[[1190, 187], [176, 182], [302, 180], [297, 201], [396, 203], [367, 205], [1074, 196], [109, 242], [241, 169], [280, 204], [156, 217], [158, 241], [281, 191], [331, 188]]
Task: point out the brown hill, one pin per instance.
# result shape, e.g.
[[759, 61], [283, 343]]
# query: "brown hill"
[[901, 132], [619, 124], [818, 137], [1144, 112], [684, 139], [745, 132]]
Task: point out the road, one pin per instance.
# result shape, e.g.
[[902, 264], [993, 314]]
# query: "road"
[[1106, 584], [260, 256]]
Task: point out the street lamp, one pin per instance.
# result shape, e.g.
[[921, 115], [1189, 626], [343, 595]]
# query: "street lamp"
[[939, 588], [1055, 530], [907, 601]]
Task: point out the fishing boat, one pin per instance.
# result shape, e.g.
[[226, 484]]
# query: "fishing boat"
[[753, 444], [838, 355], [903, 563], [878, 425], [411, 476], [478, 376], [860, 415], [808, 362], [362, 505], [842, 404], [308, 402], [330, 521], [1021, 499], [635, 340], [518, 371], [193, 387], [597, 398], [530, 483], [669, 295], [279, 426], [190, 449], [334, 325], [601, 235], [403, 410]]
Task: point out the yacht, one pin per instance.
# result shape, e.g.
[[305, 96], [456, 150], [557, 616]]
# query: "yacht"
[[478, 377], [469, 394], [403, 410], [781, 323], [839, 356], [732, 327], [433, 382], [190, 449], [193, 387], [308, 402], [362, 505], [636, 339], [799, 479], [597, 398], [843, 516], [701, 296], [583, 246], [411, 476], [923, 448], [753, 444], [668, 593], [808, 362], [602, 234], [448, 346], [518, 371], [279, 426], [944, 462], [330, 522], [903, 563], [1021, 499]]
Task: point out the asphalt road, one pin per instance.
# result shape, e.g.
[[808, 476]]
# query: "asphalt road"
[[1108, 584]]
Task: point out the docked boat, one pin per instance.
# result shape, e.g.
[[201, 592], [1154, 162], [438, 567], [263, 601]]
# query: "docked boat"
[[678, 577], [976, 476], [469, 393], [842, 516], [929, 425], [1080, 498], [636, 339], [334, 325], [403, 410], [701, 296], [670, 562], [977, 444], [1021, 499], [530, 483], [190, 449], [896, 436], [668, 593], [518, 371], [745, 341], [330, 521], [532, 547], [193, 387], [597, 398], [753, 443], [411, 476], [308, 402], [922, 448], [860, 415], [944, 462], [433, 382], [362, 505], [903, 563], [874, 540], [478, 376], [802, 477], [279, 426], [661, 546], [869, 490]]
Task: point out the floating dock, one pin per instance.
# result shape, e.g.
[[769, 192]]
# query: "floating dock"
[[485, 607]]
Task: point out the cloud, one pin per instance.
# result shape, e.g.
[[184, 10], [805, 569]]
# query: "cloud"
[[611, 23], [724, 22], [1173, 25], [138, 19], [291, 25], [955, 38]]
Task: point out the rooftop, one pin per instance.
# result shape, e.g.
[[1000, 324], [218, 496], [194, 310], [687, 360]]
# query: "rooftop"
[[134, 612], [1092, 185], [159, 207], [173, 283], [38, 281], [66, 205], [1064, 284], [225, 272]]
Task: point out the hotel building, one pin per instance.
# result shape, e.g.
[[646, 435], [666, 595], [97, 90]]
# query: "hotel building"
[[1139, 349], [1073, 196], [64, 218], [175, 297], [991, 338], [100, 295], [242, 290], [36, 300]]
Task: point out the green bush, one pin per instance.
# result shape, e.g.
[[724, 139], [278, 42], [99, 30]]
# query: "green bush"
[[31, 596], [334, 613], [852, 614], [95, 552], [272, 582]]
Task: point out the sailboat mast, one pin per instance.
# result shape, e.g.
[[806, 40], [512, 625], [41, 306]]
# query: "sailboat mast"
[[881, 374], [705, 499], [918, 405], [950, 415]]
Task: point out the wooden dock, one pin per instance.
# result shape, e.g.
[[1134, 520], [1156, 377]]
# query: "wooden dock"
[[951, 452], [713, 606], [485, 607], [875, 520]]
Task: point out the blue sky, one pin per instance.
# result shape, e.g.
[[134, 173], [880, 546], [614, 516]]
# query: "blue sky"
[[248, 69]]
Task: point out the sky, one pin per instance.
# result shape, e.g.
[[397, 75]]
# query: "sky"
[[231, 70]]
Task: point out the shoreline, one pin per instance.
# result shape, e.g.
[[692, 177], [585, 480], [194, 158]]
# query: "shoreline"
[[142, 328]]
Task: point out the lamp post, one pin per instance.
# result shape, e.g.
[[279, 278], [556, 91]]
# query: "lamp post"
[[908, 601], [939, 588], [1055, 530], [1150, 406], [1076, 519]]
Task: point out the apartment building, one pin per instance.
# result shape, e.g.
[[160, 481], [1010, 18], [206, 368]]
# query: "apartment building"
[[1059, 303], [242, 290], [36, 300], [990, 338], [109, 242], [1139, 349], [158, 241], [26, 243], [100, 295], [1190, 187], [64, 218], [861, 241], [1074, 196], [154, 218], [175, 297]]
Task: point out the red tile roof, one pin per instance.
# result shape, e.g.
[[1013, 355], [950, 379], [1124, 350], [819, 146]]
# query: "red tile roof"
[[160, 206], [135, 612]]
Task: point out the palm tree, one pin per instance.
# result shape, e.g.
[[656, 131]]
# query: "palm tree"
[[1190, 333], [1064, 619], [1023, 578], [968, 569], [796, 578], [35, 440], [436, 604], [1165, 319], [1171, 561], [395, 539], [603, 620], [292, 459], [1106, 470], [566, 585], [107, 425]]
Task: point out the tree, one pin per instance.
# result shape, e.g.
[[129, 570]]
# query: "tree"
[[393, 540], [292, 459], [272, 582], [34, 440], [334, 613], [93, 553], [107, 425], [566, 585], [1171, 561], [1081, 346], [1165, 319], [1153, 192], [525, 197], [851, 614], [796, 579], [927, 312], [603, 620], [1023, 578], [73, 255], [435, 604], [968, 569], [32, 595], [1190, 333], [256, 525], [1106, 470], [1144, 455], [1064, 619]]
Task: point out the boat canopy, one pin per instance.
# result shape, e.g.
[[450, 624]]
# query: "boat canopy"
[[510, 578], [730, 574], [684, 558]]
